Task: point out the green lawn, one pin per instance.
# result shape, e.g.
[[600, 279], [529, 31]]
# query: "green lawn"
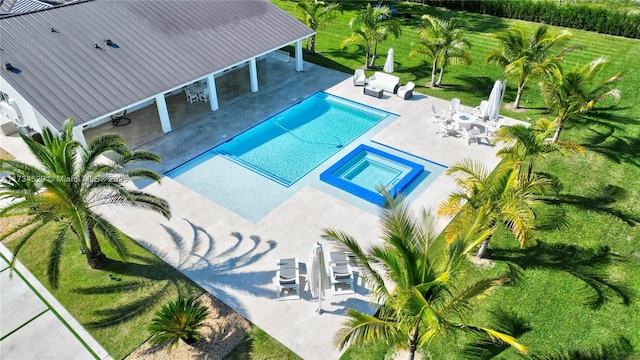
[[576, 293], [115, 312]]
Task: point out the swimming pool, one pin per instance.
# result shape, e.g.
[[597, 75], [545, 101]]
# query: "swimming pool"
[[290, 144], [365, 169]]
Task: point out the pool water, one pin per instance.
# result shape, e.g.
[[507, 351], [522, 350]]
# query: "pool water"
[[290, 144], [365, 170], [370, 171]]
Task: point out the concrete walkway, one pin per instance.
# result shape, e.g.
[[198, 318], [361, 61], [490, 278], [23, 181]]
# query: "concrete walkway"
[[33, 324]]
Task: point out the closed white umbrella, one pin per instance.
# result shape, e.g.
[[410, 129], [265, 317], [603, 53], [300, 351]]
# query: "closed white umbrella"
[[388, 65], [317, 274], [495, 101]]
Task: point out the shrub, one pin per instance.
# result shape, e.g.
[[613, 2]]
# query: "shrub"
[[180, 319], [592, 18]]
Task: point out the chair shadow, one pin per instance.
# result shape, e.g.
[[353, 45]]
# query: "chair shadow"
[[589, 265]]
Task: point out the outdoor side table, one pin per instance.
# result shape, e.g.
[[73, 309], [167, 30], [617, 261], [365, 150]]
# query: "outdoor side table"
[[371, 91]]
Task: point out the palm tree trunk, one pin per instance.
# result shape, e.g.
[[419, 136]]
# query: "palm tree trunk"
[[367, 55], [434, 71], [95, 257], [439, 82], [313, 44], [483, 248], [413, 344], [485, 243], [556, 136], [516, 103], [373, 56]]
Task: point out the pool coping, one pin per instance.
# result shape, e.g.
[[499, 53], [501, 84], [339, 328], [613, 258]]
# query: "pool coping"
[[370, 195]]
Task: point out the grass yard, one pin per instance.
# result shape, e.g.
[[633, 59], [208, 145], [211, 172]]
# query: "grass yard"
[[576, 293], [115, 312]]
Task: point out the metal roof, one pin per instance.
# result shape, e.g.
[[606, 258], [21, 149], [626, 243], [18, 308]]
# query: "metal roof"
[[21, 6], [157, 46]]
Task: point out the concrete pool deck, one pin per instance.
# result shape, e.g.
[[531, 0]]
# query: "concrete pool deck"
[[235, 259]]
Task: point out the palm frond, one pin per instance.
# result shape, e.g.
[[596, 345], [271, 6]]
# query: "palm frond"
[[360, 328]]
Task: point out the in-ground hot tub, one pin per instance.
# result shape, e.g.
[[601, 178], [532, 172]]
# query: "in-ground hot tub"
[[366, 169]]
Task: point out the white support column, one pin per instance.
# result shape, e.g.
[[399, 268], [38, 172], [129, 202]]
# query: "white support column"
[[213, 93], [161, 103], [78, 135], [253, 75], [299, 59]]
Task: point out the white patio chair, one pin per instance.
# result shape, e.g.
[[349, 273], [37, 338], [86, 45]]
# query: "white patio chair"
[[191, 96], [204, 95], [447, 128], [474, 135], [492, 127], [480, 111], [359, 78], [455, 106], [436, 114], [406, 91], [287, 279]]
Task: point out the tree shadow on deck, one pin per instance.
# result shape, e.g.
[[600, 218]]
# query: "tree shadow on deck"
[[147, 281]]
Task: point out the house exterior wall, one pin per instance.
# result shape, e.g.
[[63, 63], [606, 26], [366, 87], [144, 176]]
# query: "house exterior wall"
[[27, 115]]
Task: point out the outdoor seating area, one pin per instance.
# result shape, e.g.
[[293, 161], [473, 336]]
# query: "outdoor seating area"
[[471, 127], [340, 274], [387, 82], [197, 92]]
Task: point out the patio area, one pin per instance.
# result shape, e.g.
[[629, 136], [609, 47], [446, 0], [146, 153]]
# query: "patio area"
[[234, 258]]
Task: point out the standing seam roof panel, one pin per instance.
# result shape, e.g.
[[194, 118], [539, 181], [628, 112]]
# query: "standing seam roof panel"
[[162, 45]]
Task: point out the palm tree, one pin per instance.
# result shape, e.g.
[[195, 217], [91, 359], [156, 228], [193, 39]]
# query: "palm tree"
[[178, 320], [65, 191], [502, 196], [526, 144], [570, 94], [442, 42], [373, 25], [415, 279], [520, 53], [316, 14]]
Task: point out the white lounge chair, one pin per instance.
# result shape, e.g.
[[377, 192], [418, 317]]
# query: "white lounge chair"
[[437, 115], [406, 91], [288, 279], [359, 78], [341, 275]]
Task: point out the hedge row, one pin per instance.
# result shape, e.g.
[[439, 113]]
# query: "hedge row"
[[592, 18]]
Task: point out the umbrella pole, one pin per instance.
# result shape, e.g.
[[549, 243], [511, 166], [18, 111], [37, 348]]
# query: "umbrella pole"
[[320, 278]]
